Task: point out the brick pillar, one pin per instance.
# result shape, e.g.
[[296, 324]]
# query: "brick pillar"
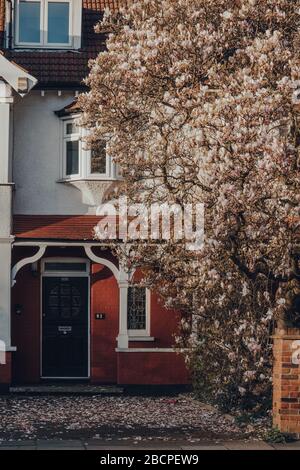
[[286, 381]]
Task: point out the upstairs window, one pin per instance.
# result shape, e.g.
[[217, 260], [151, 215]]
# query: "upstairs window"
[[48, 23], [80, 163], [71, 149], [99, 162], [58, 24], [29, 22]]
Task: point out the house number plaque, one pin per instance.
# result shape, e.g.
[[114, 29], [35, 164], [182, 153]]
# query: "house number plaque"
[[100, 316]]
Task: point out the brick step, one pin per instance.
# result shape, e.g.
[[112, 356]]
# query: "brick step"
[[66, 389]]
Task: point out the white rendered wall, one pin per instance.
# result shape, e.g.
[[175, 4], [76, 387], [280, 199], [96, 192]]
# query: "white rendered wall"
[[5, 213], [36, 161], [5, 100], [5, 285], [6, 103], [5, 210]]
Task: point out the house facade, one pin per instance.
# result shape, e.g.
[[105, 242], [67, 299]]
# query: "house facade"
[[67, 309]]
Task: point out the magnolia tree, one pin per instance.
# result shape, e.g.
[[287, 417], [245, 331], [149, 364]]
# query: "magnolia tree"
[[198, 103]]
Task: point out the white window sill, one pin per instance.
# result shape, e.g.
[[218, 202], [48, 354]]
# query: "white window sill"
[[75, 180], [141, 338], [42, 48]]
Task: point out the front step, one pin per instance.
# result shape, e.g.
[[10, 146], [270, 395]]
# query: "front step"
[[66, 389]]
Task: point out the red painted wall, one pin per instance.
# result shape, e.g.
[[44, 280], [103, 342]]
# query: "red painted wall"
[[104, 299], [5, 370], [156, 368], [163, 325], [26, 327]]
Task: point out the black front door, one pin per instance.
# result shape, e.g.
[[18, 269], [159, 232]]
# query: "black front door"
[[65, 327]]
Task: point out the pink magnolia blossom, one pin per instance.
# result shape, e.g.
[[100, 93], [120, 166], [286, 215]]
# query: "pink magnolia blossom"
[[196, 100]]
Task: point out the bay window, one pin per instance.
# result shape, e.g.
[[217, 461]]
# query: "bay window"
[[71, 148], [80, 163], [98, 159]]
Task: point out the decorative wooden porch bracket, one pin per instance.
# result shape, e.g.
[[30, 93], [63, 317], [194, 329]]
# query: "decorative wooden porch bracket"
[[122, 278], [23, 262], [98, 259]]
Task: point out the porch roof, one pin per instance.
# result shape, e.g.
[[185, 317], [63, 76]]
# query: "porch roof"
[[55, 227]]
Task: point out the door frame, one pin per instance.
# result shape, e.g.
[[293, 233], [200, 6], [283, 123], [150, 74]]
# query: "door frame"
[[45, 274]]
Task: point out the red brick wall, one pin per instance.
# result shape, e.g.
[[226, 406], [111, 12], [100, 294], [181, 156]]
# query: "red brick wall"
[[286, 383]]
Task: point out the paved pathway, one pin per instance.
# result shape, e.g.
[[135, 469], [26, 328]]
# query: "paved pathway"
[[154, 446]]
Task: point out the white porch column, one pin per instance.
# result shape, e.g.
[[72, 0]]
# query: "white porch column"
[[6, 101], [123, 331], [6, 238], [122, 278], [5, 293]]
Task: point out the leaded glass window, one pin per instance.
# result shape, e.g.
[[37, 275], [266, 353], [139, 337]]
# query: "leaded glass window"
[[136, 308]]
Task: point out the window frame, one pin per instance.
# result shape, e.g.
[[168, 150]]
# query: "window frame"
[[46, 18], [74, 137], [43, 44], [108, 165], [146, 331], [84, 157], [62, 273], [17, 23]]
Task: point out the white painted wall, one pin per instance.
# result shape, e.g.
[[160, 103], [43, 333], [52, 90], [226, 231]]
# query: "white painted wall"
[[5, 285], [6, 101], [36, 161], [5, 214], [5, 210]]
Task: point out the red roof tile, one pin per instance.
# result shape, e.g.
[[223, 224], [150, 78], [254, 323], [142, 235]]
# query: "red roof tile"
[[64, 68], [64, 227], [54, 227]]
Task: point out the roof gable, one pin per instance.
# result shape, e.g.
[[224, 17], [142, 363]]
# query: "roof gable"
[[13, 73]]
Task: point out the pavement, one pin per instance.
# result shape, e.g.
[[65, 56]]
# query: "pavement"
[[111, 421], [94, 444]]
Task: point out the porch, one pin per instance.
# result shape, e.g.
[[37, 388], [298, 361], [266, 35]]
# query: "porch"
[[69, 321]]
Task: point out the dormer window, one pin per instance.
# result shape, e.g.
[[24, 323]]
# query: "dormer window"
[[52, 24]]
